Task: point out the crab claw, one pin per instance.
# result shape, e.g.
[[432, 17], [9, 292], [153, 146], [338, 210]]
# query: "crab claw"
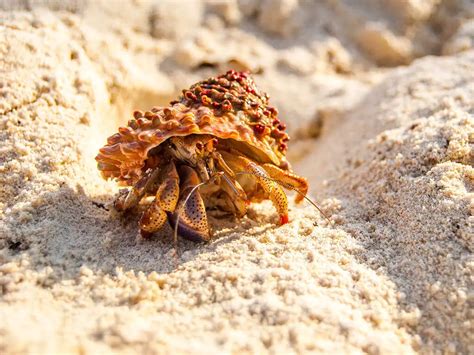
[[191, 210]]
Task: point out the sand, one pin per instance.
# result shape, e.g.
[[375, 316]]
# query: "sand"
[[379, 100]]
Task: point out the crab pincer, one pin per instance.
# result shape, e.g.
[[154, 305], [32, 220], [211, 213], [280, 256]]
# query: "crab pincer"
[[192, 222]]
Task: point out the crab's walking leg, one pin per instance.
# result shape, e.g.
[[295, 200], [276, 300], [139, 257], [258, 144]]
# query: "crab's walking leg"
[[276, 193], [236, 200], [289, 179], [191, 209], [130, 198], [165, 201]]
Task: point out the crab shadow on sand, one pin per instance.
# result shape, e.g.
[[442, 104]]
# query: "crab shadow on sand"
[[71, 230]]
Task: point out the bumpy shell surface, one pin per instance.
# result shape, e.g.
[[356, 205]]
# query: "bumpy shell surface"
[[229, 106]]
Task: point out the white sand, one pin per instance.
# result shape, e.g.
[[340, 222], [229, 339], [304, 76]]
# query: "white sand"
[[388, 152]]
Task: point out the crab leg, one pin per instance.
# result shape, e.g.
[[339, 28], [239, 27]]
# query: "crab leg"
[[165, 200], [129, 198], [222, 164], [275, 192], [191, 209], [289, 179], [236, 197], [152, 219]]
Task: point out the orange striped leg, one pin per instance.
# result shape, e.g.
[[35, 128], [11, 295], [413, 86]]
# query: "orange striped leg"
[[289, 179], [274, 191], [166, 199], [192, 223], [130, 198]]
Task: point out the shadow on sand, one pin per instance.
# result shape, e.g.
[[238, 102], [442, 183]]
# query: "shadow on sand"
[[70, 230]]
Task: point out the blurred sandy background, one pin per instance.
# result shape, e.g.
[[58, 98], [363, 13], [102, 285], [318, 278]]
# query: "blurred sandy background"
[[378, 97]]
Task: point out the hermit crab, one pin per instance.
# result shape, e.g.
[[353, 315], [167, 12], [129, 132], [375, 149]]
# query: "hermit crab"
[[221, 136]]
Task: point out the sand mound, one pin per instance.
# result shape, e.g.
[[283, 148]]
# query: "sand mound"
[[392, 167]]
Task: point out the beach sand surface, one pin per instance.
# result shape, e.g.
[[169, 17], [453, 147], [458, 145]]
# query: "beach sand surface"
[[378, 97]]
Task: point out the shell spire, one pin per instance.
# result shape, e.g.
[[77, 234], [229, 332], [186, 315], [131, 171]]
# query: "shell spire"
[[229, 106]]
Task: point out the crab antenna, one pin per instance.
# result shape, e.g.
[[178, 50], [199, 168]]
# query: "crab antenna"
[[195, 187], [290, 188]]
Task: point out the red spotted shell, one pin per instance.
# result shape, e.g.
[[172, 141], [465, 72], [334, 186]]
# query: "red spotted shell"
[[229, 106]]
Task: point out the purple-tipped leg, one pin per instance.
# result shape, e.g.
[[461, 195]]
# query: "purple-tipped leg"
[[192, 223], [187, 231]]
